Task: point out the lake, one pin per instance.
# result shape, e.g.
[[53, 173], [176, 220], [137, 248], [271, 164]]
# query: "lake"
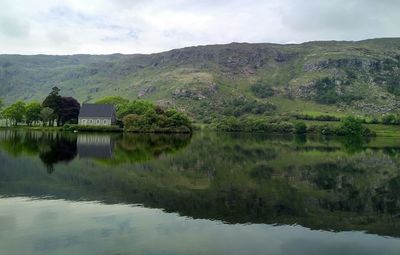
[[206, 193]]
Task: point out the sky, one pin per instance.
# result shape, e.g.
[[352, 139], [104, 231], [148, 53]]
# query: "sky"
[[149, 26]]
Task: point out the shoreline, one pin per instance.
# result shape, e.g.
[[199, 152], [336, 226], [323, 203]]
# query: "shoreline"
[[380, 130]]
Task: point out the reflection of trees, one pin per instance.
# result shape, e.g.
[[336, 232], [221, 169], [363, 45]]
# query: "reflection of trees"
[[353, 144], [236, 178], [17, 143], [57, 148], [143, 147], [51, 147]]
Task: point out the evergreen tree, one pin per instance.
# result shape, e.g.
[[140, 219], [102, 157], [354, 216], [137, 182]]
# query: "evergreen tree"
[[53, 101]]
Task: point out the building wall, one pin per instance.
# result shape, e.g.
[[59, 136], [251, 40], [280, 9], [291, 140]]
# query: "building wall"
[[95, 121]]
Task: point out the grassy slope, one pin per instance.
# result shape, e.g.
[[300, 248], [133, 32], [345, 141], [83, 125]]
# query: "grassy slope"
[[232, 68]]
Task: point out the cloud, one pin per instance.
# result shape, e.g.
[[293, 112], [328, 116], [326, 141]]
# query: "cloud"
[[145, 26], [13, 27]]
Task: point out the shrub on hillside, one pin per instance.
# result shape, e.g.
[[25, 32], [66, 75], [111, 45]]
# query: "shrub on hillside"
[[261, 90], [326, 91], [241, 106], [318, 117]]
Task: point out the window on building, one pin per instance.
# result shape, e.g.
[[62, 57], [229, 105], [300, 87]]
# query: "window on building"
[[98, 122], [105, 122]]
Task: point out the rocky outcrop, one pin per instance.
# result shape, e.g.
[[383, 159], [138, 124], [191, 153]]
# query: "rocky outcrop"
[[197, 94], [371, 108], [146, 91], [357, 63]]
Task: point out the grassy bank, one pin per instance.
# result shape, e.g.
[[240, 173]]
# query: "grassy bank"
[[379, 129]]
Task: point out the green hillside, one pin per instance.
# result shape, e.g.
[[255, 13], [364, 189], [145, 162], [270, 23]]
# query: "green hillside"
[[235, 79]]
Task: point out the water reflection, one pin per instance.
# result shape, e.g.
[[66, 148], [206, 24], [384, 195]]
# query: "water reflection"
[[54, 227], [53, 148], [318, 182], [96, 146]]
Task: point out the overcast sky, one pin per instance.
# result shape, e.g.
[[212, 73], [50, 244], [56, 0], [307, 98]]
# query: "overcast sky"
[[146, 26]]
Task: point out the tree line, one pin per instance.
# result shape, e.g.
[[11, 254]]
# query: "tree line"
[[135, 115], [145, 116], [54, 110]]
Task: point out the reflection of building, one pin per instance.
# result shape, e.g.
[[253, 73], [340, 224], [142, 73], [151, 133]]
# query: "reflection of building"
[[95, 146], [97, 115]]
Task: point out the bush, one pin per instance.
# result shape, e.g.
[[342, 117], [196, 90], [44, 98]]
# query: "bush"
[[229, 124], [300, 128], [350, 126], [390, 119], [170, 121], [326, 91], [318, 118], [232, 124], [241, 106], [322, 129], [139, 107], [261, 90]]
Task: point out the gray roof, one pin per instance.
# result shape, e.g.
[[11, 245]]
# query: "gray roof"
[[97, 111]]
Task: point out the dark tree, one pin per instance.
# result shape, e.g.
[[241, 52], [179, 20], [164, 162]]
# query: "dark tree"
[[69, 110], [53, 101]]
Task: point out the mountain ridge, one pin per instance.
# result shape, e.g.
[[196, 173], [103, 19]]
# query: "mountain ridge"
[[361, 77]]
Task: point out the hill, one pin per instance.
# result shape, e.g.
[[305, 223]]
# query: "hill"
[[238, 79]]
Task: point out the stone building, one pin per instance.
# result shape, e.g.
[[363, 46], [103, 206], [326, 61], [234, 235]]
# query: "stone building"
[[97, 115]]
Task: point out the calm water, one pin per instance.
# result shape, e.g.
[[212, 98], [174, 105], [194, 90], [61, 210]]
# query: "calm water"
[[203, 194]]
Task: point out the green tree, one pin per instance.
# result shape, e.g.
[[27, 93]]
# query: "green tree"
[[177, 119], [138, 107], [53, 101], [15, 112], [32, 114], [46, 115], [350, 126]]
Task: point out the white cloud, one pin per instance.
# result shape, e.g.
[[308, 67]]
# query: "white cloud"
[[144, 26]]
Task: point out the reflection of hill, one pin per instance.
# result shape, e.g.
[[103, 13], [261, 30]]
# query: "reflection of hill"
[[142, 147], [234, 178]]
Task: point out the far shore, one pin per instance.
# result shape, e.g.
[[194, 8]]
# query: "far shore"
[[380, 129]]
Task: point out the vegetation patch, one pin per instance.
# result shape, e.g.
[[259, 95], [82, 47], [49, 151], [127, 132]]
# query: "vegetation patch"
[[262, 90]]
